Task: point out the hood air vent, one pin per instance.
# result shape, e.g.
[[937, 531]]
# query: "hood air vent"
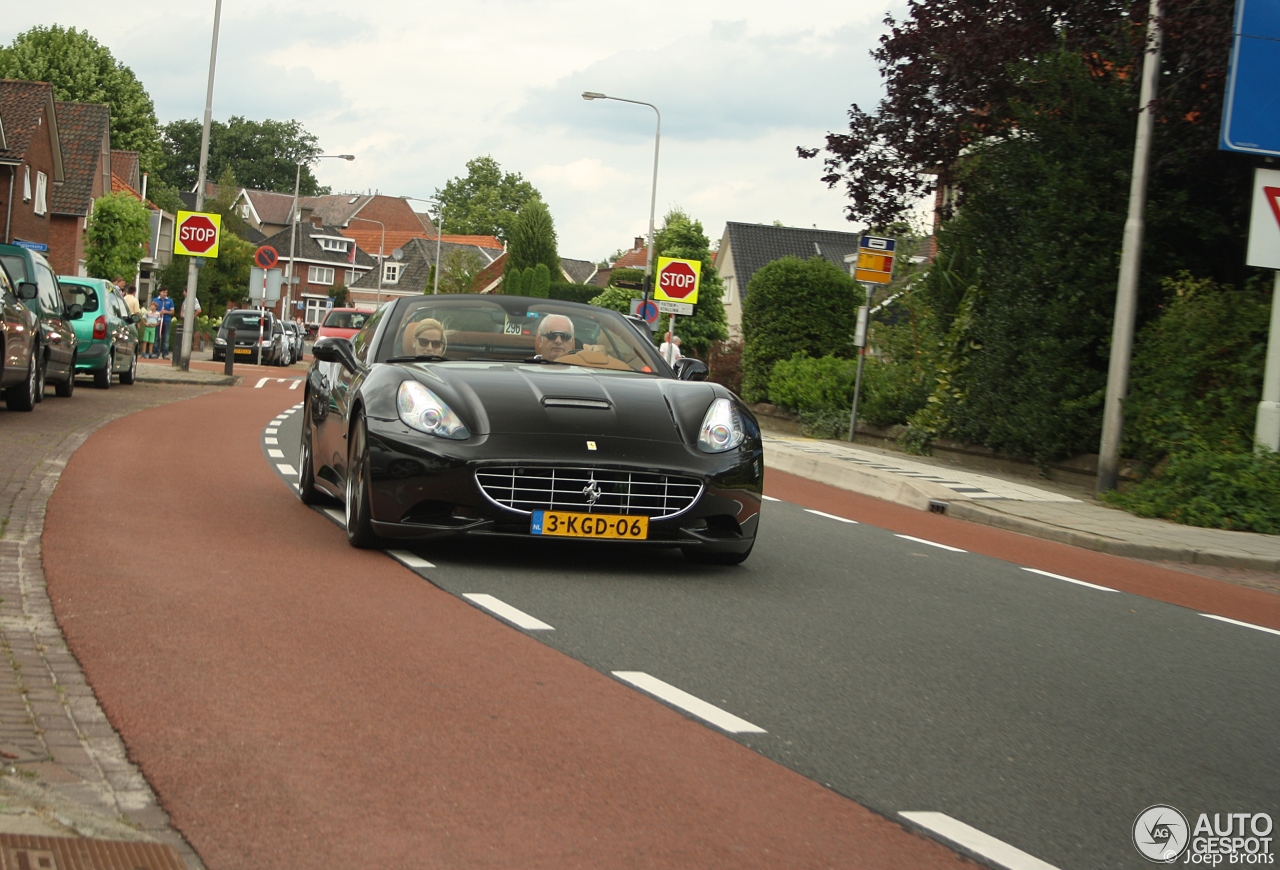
[[592, 404]]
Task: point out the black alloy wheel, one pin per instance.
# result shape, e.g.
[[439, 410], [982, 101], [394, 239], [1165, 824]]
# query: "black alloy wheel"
[[22, 397], [131, 374], [359, 516], [307, 490]]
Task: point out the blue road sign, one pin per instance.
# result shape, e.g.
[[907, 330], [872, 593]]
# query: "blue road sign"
[[647, 311], [34, 246], [1251, 110]]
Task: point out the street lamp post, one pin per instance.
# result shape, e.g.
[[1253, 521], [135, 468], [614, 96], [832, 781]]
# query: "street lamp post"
[[435, 282], [381, 244], [293, 229], [653, 199]]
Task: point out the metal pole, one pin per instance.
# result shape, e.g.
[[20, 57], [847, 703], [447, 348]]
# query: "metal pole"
[[435, 284], [189, 305], [382, 243], [1267, 430], [860, 339], [1130, 265], [293, 231]]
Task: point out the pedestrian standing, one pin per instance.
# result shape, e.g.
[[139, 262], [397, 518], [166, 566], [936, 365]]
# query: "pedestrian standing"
[[131, 298], [151, 322], [165, 306]]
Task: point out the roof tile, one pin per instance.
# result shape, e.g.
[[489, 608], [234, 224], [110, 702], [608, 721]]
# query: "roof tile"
[[82, 126]]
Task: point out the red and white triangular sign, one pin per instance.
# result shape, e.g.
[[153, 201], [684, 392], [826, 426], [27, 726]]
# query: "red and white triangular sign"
[[1264, 222]]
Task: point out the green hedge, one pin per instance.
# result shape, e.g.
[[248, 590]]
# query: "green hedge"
[[566, 292]]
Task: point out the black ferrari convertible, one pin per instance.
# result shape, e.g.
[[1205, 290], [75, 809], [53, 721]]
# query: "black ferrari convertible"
[[520, 417]]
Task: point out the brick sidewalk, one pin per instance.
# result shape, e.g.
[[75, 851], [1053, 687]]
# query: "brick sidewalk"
[[63, 769]]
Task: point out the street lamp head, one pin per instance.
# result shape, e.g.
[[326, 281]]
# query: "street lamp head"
[[593, 95], [347, 157]]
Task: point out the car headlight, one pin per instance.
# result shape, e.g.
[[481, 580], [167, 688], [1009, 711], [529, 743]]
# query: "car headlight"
[[721, 428], [220, 341], [421, 409]]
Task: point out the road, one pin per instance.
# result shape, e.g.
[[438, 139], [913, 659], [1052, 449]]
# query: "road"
[[264, 699]]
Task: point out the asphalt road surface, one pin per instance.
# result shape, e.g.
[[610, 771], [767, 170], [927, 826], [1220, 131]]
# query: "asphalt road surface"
[[918, 678]]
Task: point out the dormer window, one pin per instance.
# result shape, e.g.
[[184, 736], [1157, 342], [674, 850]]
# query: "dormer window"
[[391, 272], [338, 245]]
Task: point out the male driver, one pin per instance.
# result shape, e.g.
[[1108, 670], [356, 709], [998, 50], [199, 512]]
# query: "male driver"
[[555, 337], [164, 307]]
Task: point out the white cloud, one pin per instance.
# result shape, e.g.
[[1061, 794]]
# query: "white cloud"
[[416, 90]]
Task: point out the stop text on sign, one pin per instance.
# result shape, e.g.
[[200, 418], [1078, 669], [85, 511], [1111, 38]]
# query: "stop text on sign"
[[197, 234], [678, 280]]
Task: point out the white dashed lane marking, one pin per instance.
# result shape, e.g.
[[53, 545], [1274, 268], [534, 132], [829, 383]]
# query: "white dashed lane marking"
[[409, 560], [501, 609], [692, 705], [1241, 624], [932, 544], [770, 498], [270, 440], [287, 470], [276, 454], [337, 516], [830, 516], [1069, 580], [996, 851]]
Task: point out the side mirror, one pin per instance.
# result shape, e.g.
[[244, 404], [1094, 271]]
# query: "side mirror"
[[134, 318], [75, 311], [336, 350], [28, 291], [690, 369]]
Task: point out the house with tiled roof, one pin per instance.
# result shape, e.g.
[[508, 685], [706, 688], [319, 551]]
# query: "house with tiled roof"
[[323, 259], [747, 248], [412, 273], [571, 271], [85, 130], [31, 152]]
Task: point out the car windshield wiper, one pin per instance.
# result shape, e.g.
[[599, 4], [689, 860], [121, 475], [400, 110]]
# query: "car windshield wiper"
[[540, 360], [422, 357]]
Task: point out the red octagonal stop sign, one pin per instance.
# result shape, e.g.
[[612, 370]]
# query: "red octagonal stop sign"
[[677, 281], [197, 234]]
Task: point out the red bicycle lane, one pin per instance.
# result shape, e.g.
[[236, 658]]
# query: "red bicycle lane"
[[298, 703]]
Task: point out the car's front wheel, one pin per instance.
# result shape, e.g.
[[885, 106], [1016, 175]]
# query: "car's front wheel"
[[359, 516], [307, 490], [22, 397]]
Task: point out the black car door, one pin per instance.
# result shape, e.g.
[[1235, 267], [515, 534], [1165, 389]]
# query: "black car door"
[[343, 391], [59, 335]]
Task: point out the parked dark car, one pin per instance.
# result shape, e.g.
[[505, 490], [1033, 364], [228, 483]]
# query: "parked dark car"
[[22, 372], [107, 332], [296, 336], [250, 324], [527, 418], [57, 336]]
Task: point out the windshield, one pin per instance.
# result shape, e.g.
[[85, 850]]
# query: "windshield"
[[347, 319], [243, 320], [511, 329], [79, 294]]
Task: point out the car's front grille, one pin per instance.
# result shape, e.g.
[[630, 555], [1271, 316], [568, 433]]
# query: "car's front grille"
[[643, 493]]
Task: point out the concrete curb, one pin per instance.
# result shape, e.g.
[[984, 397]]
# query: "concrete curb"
[[857, 478], [189, 379]]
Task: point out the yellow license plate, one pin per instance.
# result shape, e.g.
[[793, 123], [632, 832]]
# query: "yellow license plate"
[[569, 525], [247, 351]]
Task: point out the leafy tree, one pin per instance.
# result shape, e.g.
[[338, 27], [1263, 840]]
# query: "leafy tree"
[[616, 298], [533, 239], [264, 155], [116, 237], [486, 201], [683, 238], [794, 305], [459, 270], [540, 286], [83, 70], [528, 279], [513, 283]]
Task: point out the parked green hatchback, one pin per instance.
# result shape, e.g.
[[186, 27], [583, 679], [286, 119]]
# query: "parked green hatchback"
[[107, 332]]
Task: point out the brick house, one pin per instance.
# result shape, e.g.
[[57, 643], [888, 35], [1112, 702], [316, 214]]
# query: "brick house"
[[31, 151], [85, 130], [323, 259], [412, 274]]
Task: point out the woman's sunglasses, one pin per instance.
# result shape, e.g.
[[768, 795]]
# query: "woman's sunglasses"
[[430, 342]]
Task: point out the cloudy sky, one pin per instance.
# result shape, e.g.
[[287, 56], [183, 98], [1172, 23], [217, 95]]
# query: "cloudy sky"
[[416, 89]]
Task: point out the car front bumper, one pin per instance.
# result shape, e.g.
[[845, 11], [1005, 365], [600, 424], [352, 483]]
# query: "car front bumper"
[[425, 487]]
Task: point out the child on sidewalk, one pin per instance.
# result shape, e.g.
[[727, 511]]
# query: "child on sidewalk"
[[150, 321]]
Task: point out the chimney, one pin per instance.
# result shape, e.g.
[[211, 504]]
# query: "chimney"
[[317, 221], [639, 243]]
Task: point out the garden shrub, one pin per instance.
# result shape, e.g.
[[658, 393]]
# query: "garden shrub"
[[567, 292], [724, 360], [794, 305]]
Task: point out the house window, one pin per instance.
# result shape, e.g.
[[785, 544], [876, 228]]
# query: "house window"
[[351, 277], [26, 184], [333, 245], [319, 275], [42, 193], [391, 273], [728, 290]]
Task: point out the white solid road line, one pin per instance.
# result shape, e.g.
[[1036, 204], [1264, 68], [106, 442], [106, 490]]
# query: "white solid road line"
[[287, 470], [1241, 624], [500, 608], [770, 498], [404, 557], [996, 851], [830, 516], [933, 544], [1071, 580], [690, 704]]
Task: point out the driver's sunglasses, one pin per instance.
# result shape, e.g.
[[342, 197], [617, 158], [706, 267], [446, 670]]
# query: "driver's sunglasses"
[[558, 336], [430, 342]]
